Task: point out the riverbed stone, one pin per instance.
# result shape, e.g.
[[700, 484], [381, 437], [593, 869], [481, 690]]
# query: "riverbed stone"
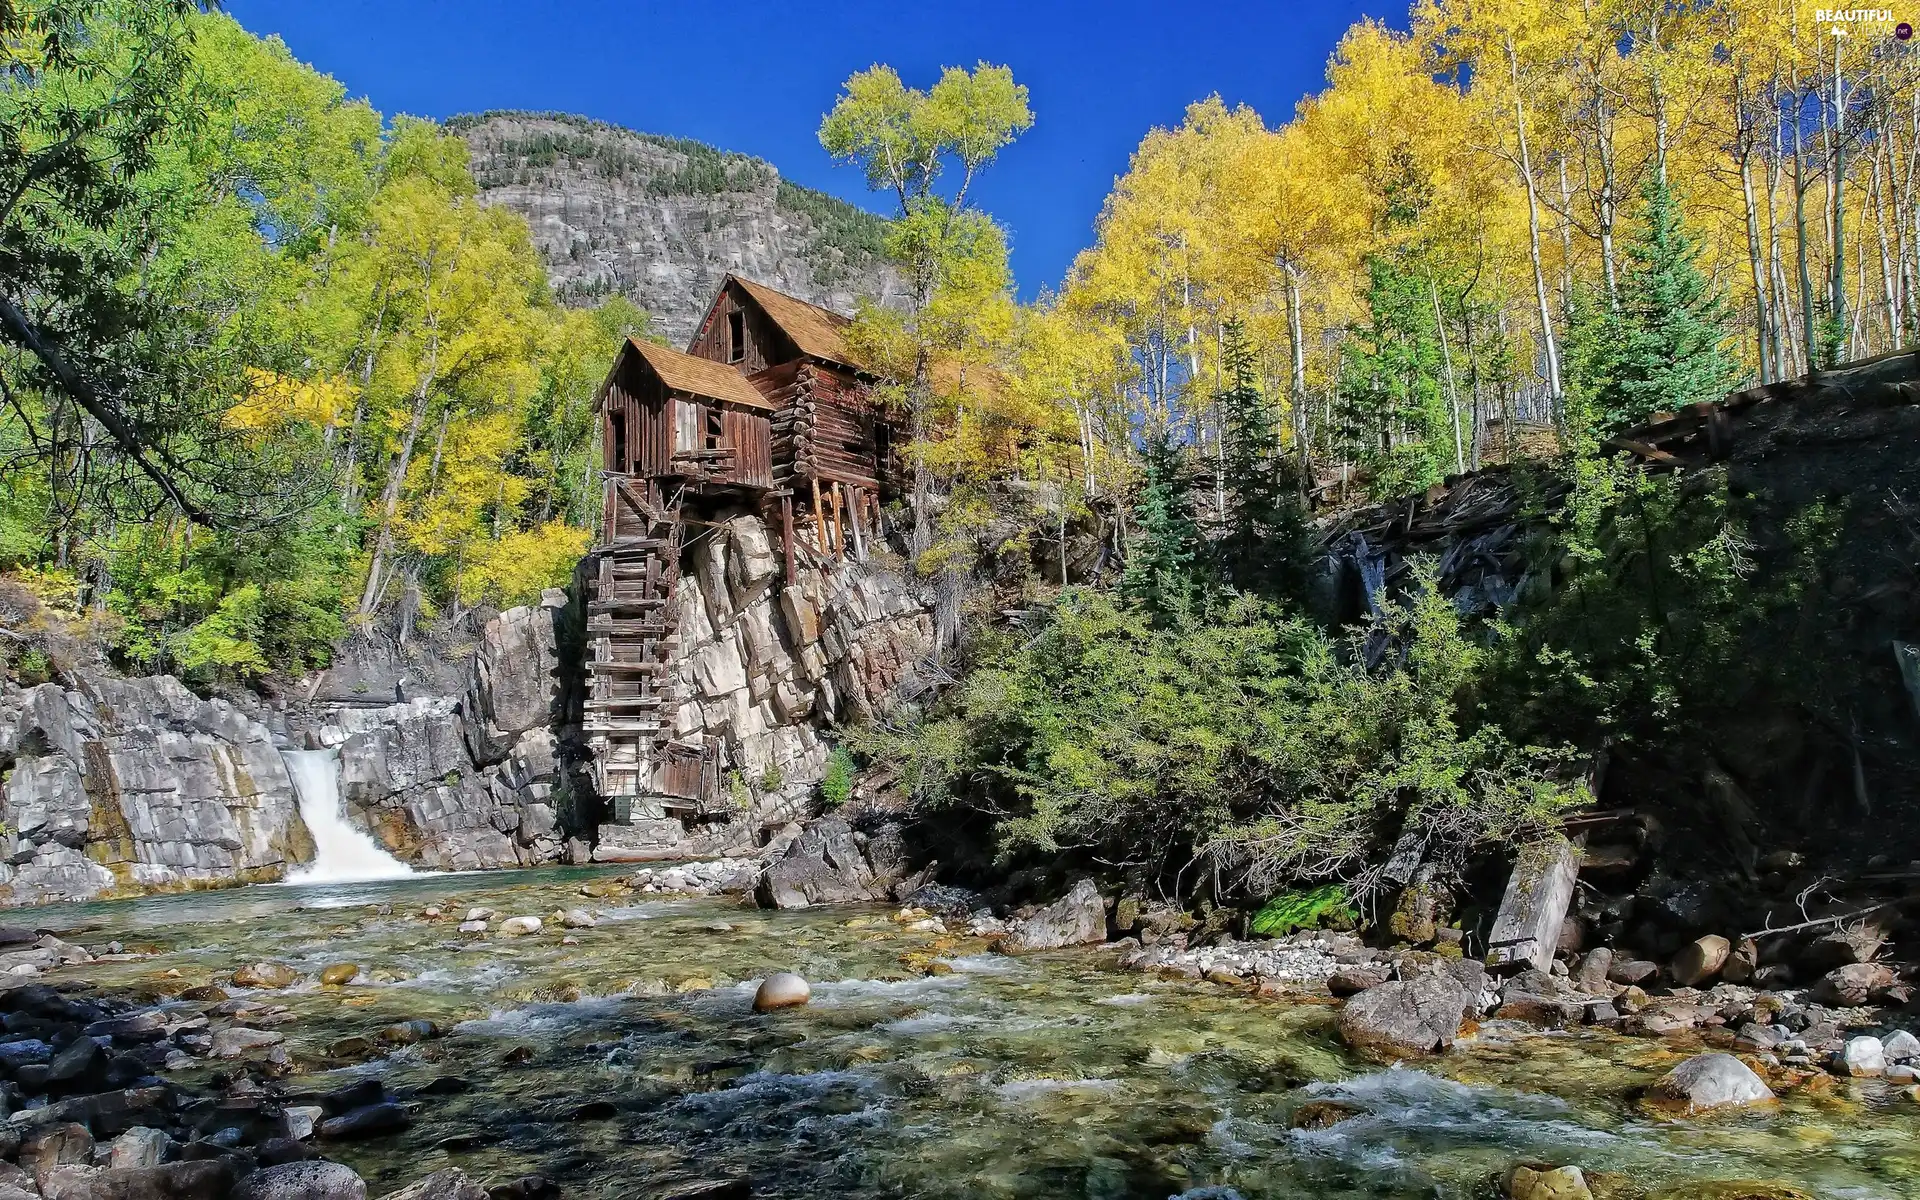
[[314, 1179], [1547, 1183], [1901, 1047], [271, 975], [578, 918], [1853, 985], [1700, 960], [1078, 918], [372, 1120], [1710, 1081], [140, 1146], [236, 1040], [1862, 1058], [1405, 1017], [781, 990], [519, 926], [450, 1183], [337, 974]]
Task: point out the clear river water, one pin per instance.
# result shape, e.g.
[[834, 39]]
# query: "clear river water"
[[631, 1063]]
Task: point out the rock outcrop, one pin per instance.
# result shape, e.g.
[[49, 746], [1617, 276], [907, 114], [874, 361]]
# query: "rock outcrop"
[[126, 785], [763, 666], [828, 863], [1076, 919], [662, 220], [1405, 1017]]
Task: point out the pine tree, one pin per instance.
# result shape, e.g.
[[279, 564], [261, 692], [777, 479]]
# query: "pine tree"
[[1160, 562], [1663, 349], [1258, 543]]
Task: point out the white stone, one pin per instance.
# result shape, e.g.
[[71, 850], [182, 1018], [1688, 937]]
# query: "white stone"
[[473, 927], [301, 1119], [519, 926], [1901, 1047], [480, 914], [1713, 1081], [782, 990], [1863, 1057]]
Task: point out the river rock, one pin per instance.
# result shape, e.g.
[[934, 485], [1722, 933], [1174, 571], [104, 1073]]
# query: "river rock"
[[1541, 1183], [407, 1033], [1591, 976], [1631, 971], [1902, 1047], [473, 927], [372, 1120], [1843, 947], [339, 973], [825, 864], [51, 1145], [202, 1179], [138, 1147], [1852, 986], [81, 1067], [448, 1184], [1078, 918], [1862, 1057], [1700, 960], [480, 914], [1710, 1081], [519, 926], [578, 918], [266, 975], [302, 1119], [782, 990], [1405, 1017], [314, 1179], [236, 1040]]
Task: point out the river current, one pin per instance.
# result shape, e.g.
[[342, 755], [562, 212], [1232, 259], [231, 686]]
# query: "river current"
[[631, 1063]]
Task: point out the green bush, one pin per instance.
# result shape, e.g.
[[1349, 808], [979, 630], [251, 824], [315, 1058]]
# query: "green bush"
[[1249, 738], [836, 786], [1326, 904]]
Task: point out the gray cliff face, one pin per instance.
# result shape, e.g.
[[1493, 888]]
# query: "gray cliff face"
[[763, 667], [126, 785], [662, 220]]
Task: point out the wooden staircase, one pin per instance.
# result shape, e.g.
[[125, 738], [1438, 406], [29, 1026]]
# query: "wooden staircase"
[[632, 625]]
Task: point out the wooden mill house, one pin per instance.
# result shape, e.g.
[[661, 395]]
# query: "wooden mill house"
[[767, 411]]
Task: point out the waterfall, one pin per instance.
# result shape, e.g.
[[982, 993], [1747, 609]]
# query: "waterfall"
[[343, 852]]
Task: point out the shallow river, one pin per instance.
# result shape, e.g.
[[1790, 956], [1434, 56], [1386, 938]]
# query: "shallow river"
[[631, 1063]]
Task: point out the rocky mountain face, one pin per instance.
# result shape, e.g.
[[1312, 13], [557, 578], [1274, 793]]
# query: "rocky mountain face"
[[662, 220]]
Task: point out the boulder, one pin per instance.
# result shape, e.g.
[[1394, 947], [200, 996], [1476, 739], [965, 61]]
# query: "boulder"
[[1591, 975], [1862, 1057], [1700, 960], [339, 973], [372, 1120], [203, 1179], [236, 1040], [1358, 977], [781, 990], [519, 926], [1548, 1012], [314, 1179], [1544, 1183], [1843, 947], [823, 865], [1742, 963], [266, 975], [1078, 918], [1710, 1081], [138, 1147], [448, 1184], [1405, 1017], [1853, 985], [578, 918], [1630, 971], [1901, 1047]]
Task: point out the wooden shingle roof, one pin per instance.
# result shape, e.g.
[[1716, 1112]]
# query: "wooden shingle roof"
[[700, 376], [817, 331]]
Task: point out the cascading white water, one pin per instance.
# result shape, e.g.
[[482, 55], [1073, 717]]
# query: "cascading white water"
[[343, 852]]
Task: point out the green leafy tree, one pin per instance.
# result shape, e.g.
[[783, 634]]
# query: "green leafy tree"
[[1662, 347], [909, 143]]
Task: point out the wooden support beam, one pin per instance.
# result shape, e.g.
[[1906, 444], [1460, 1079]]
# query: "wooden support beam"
[[858, 518], [786, 533], [1527, 929], [839, 530], [819, 519]]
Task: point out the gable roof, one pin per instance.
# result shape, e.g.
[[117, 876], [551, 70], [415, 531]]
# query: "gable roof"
[[817, 331], [702, 377]]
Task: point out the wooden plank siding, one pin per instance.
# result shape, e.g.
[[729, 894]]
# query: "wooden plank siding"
[[765, 344]]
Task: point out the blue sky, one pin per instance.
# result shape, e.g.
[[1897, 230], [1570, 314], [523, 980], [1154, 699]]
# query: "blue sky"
[[756, 76]]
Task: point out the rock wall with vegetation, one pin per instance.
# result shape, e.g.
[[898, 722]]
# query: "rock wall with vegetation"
[[662, 220]]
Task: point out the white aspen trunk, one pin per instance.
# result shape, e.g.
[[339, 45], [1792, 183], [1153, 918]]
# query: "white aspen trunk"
[[1533, 234], [1453, 389]]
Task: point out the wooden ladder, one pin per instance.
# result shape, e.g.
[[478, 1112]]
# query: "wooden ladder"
[[632, 626]]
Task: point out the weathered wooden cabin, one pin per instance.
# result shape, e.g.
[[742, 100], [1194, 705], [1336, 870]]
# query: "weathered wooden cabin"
[[768, 410]]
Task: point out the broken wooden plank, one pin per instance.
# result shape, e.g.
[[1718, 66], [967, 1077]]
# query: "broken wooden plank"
[[1527, 930]]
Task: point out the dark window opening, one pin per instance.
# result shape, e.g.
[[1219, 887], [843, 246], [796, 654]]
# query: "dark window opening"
[[619, 441], [716, 429], [736, 336]]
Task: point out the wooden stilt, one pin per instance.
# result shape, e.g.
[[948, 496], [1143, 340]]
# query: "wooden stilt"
[[855, 507], [819, 519], [839, 529], [786, 533]]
